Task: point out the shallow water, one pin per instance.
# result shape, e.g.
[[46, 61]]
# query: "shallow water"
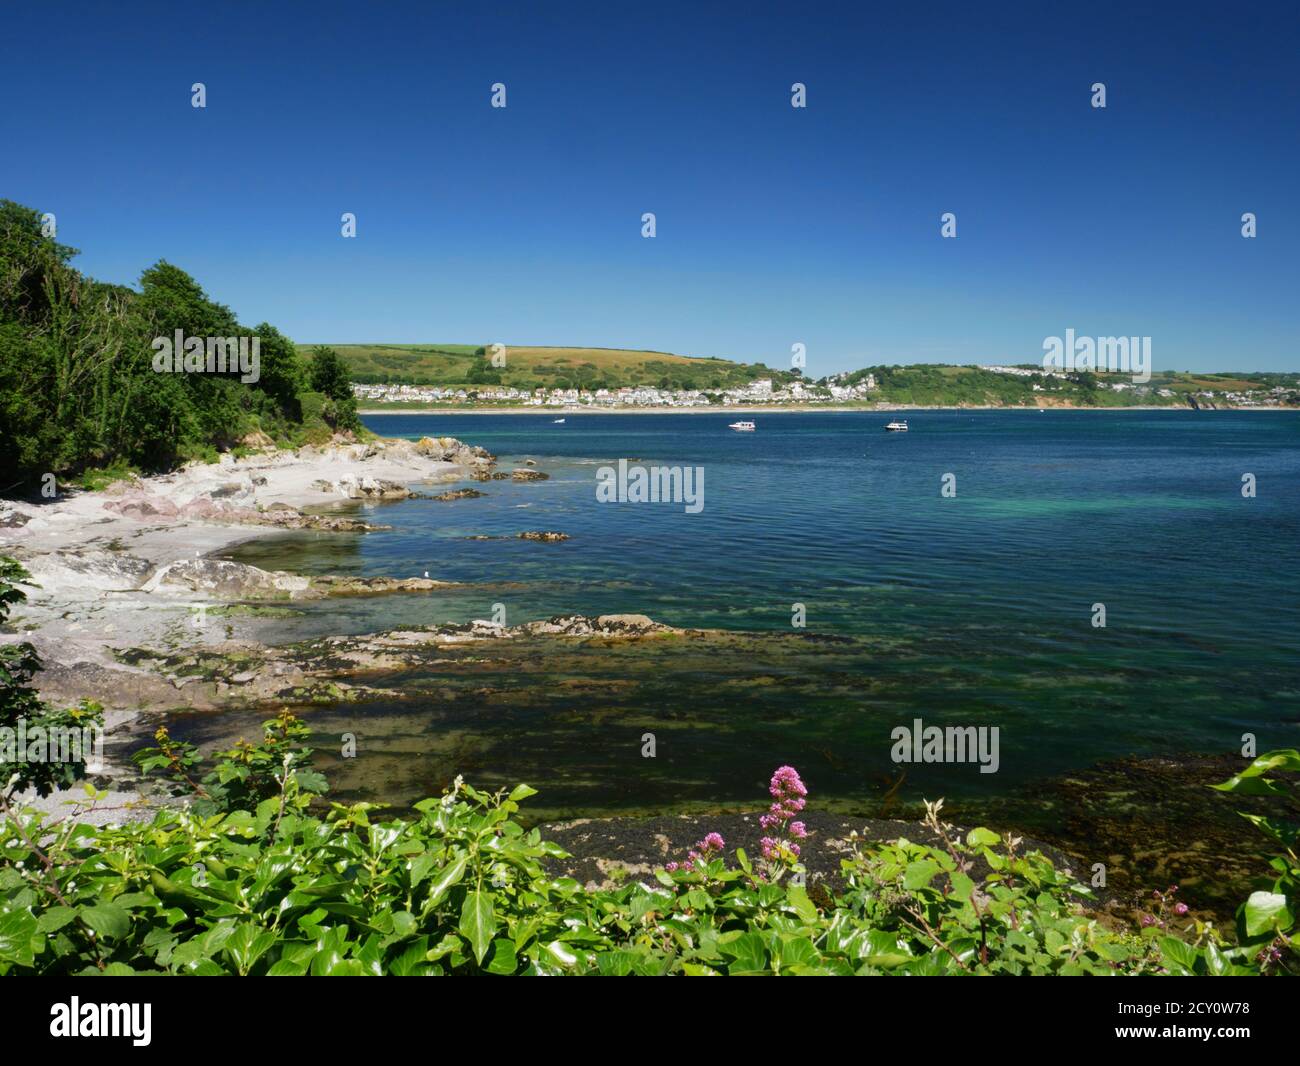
[[974, 610]]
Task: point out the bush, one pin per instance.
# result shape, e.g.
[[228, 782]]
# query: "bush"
[[19, 704], [248, 881]]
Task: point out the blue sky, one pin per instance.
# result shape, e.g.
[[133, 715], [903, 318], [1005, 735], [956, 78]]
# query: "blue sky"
[[775, 225]]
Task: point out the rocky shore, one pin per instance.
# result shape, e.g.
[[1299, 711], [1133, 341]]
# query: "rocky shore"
[[130, 565]]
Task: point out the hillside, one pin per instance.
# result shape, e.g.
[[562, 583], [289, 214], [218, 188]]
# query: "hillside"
[[1027, 386], [538, 367]]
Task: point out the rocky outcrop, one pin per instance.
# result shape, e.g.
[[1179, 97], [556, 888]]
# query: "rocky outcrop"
[[11, 517], [458, 494], [548, 535], [374, 586], [362, 487], [528, 475], [605, 625], [89, 568], [224, 580], [258, 441], [229, 504]]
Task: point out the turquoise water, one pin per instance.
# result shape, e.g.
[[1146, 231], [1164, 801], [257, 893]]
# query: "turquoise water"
[[970, 610]]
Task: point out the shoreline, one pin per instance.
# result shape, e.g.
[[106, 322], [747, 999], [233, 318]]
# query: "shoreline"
[[101, 559], [131, 565], [762, 409]]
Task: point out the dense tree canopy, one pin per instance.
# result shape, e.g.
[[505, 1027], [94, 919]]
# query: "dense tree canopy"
[[78, 386]]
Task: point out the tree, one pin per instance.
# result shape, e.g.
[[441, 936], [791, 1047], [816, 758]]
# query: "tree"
[[329, 376]]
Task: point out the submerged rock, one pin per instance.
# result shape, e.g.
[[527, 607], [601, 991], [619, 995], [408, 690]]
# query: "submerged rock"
[[528, 475], [458, 494], [546, 535]]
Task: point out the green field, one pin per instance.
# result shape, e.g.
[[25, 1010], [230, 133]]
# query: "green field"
[[533, 367]]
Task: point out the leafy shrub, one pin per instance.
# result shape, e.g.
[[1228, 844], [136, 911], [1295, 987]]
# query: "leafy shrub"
[[247, 881], [19, 702]]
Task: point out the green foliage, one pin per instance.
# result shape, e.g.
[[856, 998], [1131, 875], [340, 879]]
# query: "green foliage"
[[78, 388], [248, 881], [329, 377], [246, 774], [1267, 921], [19, 702]]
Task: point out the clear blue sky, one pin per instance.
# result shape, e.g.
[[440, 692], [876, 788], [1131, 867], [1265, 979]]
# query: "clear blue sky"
[[775, 225]]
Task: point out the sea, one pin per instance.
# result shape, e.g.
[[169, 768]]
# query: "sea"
[[1087, 587]]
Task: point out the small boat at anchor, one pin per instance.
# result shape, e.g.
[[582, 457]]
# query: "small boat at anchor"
[[897, 426], [742, 427], [557, 421]]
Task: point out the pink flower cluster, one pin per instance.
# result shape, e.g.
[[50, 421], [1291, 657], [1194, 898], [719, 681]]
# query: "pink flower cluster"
[[788, 799], [703, 851]]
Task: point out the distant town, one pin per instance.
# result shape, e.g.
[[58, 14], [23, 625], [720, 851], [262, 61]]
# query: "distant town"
[[1036, 386], [761, 391]]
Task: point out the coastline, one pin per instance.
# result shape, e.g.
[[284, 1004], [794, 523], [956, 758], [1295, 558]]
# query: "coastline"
[[130, 565], [763, 409], [122, 569]]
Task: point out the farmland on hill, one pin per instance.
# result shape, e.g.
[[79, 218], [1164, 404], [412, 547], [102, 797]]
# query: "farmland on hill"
[[549, 367]]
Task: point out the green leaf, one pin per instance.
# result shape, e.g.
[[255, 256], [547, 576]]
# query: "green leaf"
[[478, 922], [919, 874], [56, 918], [17, 928], [803, 906], [1179, 956], [503, 959], [962, 886], [560, 954], [420, 867], [522, 792], [797, 951], [247, 944], [748, 952], [442, 883], [616, 963], [1265, 911], [982, 838], [107, 920]]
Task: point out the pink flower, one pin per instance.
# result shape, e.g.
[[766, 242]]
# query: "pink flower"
[[788, 792], [712, 844]]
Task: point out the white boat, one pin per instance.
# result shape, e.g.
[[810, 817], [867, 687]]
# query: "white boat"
[[897, 427], [742, 427], [557, 421]]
